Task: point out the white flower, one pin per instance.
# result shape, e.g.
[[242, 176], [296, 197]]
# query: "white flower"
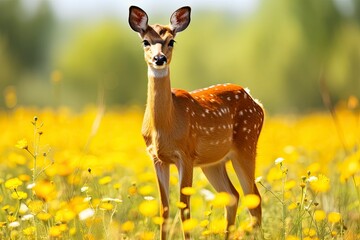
[[23, 208], [258, 179], [87, 213], [107, 199], [279, 160], [14, 224], [312, 179], [84, 189], [30, 186], [208, 195], [27, 217], [87, 199], [149, 198]]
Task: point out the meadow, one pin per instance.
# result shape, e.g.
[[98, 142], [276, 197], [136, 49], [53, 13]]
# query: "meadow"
[[86, 175]]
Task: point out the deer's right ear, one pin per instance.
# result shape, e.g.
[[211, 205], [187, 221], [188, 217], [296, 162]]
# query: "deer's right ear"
[[138, 19]]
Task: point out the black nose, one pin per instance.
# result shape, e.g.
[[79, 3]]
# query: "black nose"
[[160, 60]]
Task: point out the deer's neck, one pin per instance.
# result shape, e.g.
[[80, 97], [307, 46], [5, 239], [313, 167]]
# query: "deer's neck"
[[159, 107]]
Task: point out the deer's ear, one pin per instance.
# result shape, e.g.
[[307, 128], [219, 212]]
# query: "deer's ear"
[[138, 19], [180, 19]]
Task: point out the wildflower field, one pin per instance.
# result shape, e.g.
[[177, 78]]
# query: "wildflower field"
[[86, 175]]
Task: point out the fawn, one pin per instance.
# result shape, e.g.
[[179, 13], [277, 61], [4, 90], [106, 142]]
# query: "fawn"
[[203, 128]]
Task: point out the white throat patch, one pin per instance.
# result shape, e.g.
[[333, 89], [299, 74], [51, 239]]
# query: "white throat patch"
[[158, 73]]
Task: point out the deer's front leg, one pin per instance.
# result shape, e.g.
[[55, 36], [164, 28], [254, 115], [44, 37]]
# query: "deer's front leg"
[[162, 172], [185, 177]]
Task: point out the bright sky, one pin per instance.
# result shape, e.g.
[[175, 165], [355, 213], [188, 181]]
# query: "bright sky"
[[89, 9]]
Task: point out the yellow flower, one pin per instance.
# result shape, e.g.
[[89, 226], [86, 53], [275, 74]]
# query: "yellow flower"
[[19, 195], [334, 217], [43, 216], [24, 177], [181, 205], [54, 231], [45, 190], [146, 190], [290, 184], [72, 231], [292, 206], [189, 224], [35, 206], [105, 180], [128, 226], [29, 231], [147, 236], [204, 223], [205, 233], [132, 190], [64, 215], [309, 232], [350, 166], [106, 206], [22, 144], [322, 184], [188, 191], [148, 208], [158, 220], [223, 199], [319, 215], [274, 174], [13, 183], [251, 201]]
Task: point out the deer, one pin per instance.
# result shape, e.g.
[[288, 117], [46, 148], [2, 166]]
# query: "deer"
[[204, 128]]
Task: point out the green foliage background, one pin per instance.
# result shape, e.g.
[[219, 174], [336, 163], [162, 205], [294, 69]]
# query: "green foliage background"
[[280, 52]]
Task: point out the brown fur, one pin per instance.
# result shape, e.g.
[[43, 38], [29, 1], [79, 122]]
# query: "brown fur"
[[203, 128]]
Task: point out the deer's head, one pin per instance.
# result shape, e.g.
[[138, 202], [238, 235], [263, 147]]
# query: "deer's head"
[[158, 40]]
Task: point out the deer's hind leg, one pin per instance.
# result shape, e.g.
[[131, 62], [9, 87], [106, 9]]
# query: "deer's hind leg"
[[219, 179], [244, 166]]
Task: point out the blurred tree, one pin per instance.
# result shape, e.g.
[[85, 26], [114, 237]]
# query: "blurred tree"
[[278, 52], [24, 40], [104, 57], [26, 34]]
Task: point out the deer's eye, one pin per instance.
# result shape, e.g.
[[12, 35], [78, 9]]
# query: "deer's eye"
[[171, 43], [146, 43]]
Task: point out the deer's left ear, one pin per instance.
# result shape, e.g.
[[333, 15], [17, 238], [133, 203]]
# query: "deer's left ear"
[[180, 19]]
